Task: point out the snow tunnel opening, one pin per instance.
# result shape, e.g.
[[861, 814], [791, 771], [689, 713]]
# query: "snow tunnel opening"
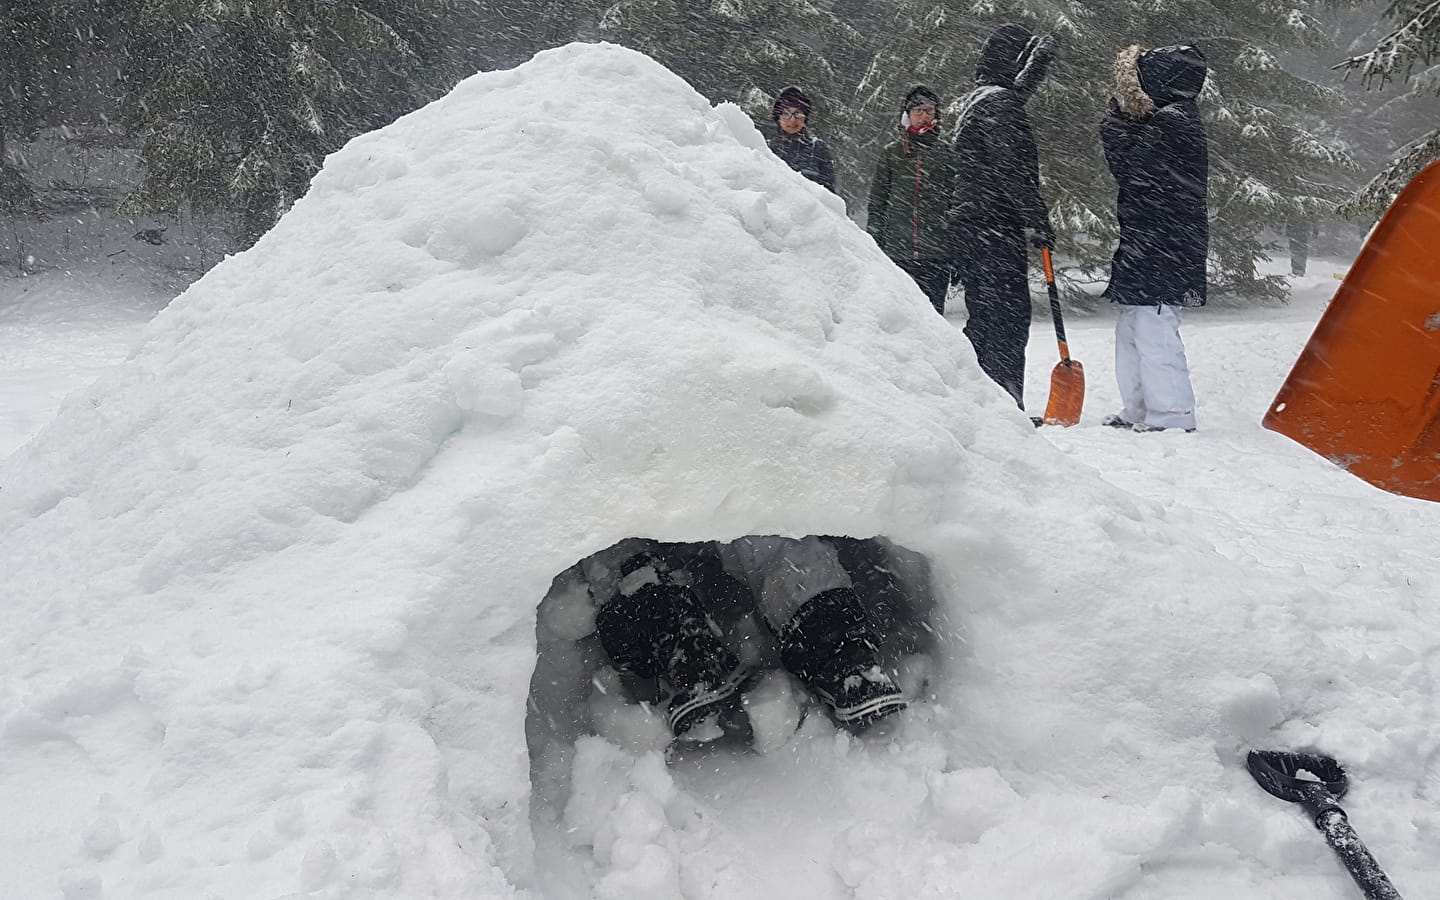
[[578, 689]]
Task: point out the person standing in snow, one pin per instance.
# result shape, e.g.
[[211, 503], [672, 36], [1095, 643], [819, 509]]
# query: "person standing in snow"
[[658, 622], [1155, 147], [910, 195], [794, 143], [997, 197]]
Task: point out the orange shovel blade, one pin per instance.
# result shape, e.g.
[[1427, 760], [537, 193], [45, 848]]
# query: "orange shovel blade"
[[1365, 392], [1067, 393]]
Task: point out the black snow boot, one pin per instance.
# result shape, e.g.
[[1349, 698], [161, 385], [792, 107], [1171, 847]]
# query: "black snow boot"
[[655, 628], [830, 646], [704, 680]]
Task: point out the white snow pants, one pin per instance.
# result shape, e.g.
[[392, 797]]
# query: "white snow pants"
[[1151, 369], [783, 573]]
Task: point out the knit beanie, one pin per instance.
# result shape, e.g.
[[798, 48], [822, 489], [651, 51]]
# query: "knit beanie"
[[790, 98], [920, 95]]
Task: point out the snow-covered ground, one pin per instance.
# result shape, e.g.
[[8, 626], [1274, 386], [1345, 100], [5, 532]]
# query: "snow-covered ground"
[[59, 329], [270, 585]]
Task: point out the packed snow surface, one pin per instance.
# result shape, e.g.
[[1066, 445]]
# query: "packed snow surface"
[[271, 583]]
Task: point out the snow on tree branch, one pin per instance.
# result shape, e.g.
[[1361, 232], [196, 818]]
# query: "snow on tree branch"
[[1396, 55]]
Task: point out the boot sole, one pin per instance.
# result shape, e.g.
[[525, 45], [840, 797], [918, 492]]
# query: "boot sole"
[[719, 695], [868, 712]]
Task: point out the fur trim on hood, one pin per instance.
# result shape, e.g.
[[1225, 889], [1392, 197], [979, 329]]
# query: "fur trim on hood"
[[1128, 93]]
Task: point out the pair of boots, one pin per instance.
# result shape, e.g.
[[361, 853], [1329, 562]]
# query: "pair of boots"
[[657, 627]]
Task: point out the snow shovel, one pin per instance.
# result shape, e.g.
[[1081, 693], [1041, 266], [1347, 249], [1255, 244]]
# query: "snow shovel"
[[1067, 379], [1317, 783], [1365, 391]]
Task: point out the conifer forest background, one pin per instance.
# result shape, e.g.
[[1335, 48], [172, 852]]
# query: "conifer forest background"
[[217, 113]]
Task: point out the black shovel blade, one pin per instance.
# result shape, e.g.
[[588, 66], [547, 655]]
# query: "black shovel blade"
[[1293, 776]]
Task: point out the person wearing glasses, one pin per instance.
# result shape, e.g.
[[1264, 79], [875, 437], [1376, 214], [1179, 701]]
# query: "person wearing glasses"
[[794, 143], [910, 196]]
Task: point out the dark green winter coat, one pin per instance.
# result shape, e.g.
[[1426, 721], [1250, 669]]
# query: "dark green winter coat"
[[910, 197]]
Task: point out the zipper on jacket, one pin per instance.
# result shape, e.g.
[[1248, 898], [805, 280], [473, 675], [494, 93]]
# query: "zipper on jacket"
[[915, 210]]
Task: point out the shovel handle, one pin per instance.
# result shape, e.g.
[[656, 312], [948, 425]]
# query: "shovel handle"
[[1368, 875], [1055, 305]]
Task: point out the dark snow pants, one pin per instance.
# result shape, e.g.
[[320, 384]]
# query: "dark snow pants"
[[992, 263], [932, 277]]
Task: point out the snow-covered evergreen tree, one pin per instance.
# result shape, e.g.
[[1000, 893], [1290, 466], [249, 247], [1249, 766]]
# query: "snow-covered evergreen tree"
[[738, 50], [238, 101], [46, 49], [1267, 167], [1404, 55]]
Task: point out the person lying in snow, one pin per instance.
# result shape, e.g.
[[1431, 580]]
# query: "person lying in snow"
[[659, 623]]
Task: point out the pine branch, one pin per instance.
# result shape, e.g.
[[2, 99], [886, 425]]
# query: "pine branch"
[[1371, 201], [1414, 42]]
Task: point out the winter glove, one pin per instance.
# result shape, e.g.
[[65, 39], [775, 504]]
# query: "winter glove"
[[1117, 115], [1042, 236], [1037, 56], [1042, 48]]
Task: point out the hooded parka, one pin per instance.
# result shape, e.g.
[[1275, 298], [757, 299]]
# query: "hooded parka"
[[997, 178], [1161, 163], [996, 197]]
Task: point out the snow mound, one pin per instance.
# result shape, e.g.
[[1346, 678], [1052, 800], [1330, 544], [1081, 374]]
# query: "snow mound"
[[271, 587]]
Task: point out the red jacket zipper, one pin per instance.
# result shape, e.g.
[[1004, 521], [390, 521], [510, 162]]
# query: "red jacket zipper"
[[915, 210]]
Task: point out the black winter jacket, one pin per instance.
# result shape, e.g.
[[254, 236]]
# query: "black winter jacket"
[[1161, 164], [910, 197], [997, 172], [807, 155]]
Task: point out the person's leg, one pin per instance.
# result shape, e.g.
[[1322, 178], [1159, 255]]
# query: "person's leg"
[[785, 572], [825, 637], [997, 298], [923, 273], [1164, 370], [1127, 367], [1013, 284]]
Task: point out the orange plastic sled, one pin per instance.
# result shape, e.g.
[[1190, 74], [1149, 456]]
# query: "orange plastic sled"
[[1365, 392]]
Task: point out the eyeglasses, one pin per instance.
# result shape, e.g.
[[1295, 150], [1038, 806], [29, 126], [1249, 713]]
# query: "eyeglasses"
[[791, 114], [925, 108]]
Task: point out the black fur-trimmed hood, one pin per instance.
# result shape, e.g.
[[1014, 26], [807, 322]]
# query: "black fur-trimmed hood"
[[1172, 74]]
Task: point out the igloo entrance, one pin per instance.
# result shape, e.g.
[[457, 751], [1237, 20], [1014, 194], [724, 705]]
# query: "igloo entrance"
[[579, 689]]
